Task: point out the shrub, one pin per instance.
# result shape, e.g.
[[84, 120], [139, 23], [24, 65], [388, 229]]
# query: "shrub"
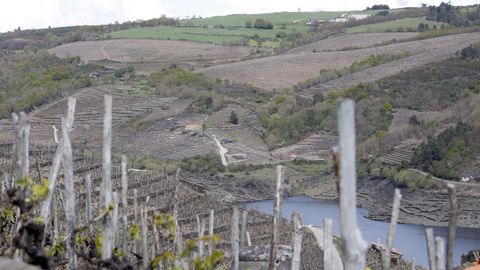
[[210, 164], [233, 118], [414, 180], [262, 24]]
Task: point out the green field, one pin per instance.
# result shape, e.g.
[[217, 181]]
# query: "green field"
[[392, 26], [222, 36], [275, 18]]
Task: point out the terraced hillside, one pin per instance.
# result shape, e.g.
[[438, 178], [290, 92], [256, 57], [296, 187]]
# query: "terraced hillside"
[[352, 41], [148, 55], [286, 70], [400, 154], [315, 147], [401, 117], [166, 136], [392, 68], [157, 191], [244, 139]]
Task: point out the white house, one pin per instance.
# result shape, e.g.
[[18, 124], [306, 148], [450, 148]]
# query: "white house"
[[358, 16]]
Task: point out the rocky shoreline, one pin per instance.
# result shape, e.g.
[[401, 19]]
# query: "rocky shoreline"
[[423, 207]]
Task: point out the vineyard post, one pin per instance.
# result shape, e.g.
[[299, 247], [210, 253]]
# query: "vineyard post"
[[210, 231], [22, 131], [106, 195], [452, 196], [200, 235], [88, 202], [202, 230], [124, 203], [440, 253], [234, 239], [355, 246], [56, 162], [178, 238], [272, 265], [297, 240], [249, 240], [430, 248], [56, 233], [70, 214], [143, 224], [327, 243], [115, 218], [386, 254], [243, 227], [21, 150], [136, 243], [156, 236]]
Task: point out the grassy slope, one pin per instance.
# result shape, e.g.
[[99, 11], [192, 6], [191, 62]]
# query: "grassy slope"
[[216, 35], [275, 18], [237, 22], [392, 26]]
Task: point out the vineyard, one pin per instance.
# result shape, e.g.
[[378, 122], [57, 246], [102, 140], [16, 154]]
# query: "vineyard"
[[287, 70], [148, 219]]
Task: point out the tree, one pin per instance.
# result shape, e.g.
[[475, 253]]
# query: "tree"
[[248, 24], [262, 24], [233, 118]]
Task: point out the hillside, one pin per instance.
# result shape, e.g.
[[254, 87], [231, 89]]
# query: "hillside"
[[189, 93], [286, 70]]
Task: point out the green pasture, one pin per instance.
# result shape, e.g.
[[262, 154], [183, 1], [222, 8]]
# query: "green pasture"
[[393, 26]]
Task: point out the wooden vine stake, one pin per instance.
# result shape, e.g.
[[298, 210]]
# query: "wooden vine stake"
[[439, 253], [70, 214], [243, 228], [452, 226], [297, 240], [210, 230], [22, 131], [88, 202], [143, 224], [124, 203], [386, 254], [354, 245], [327, 243], [272, 265], [234, 240], [56, 162], [115, 218], [106, 189], [136, 243], [430, 248]]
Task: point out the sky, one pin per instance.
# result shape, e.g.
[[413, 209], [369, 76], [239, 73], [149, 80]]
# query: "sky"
[[28, 14]]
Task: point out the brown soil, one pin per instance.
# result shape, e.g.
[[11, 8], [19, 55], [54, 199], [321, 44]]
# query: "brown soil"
[[352, 41], [149, 55], [286, 70]]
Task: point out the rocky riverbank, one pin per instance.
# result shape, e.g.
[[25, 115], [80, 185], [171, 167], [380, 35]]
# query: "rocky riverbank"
[[427, 207]]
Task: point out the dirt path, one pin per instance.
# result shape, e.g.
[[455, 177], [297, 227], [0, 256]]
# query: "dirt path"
[[336, 259], [222, 150], [456, 183], [102, 50]]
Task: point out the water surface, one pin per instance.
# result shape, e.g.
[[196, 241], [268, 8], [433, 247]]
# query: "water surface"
[[409, 239]]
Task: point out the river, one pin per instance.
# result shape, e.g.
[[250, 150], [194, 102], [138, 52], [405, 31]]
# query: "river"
[[409, 239]]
